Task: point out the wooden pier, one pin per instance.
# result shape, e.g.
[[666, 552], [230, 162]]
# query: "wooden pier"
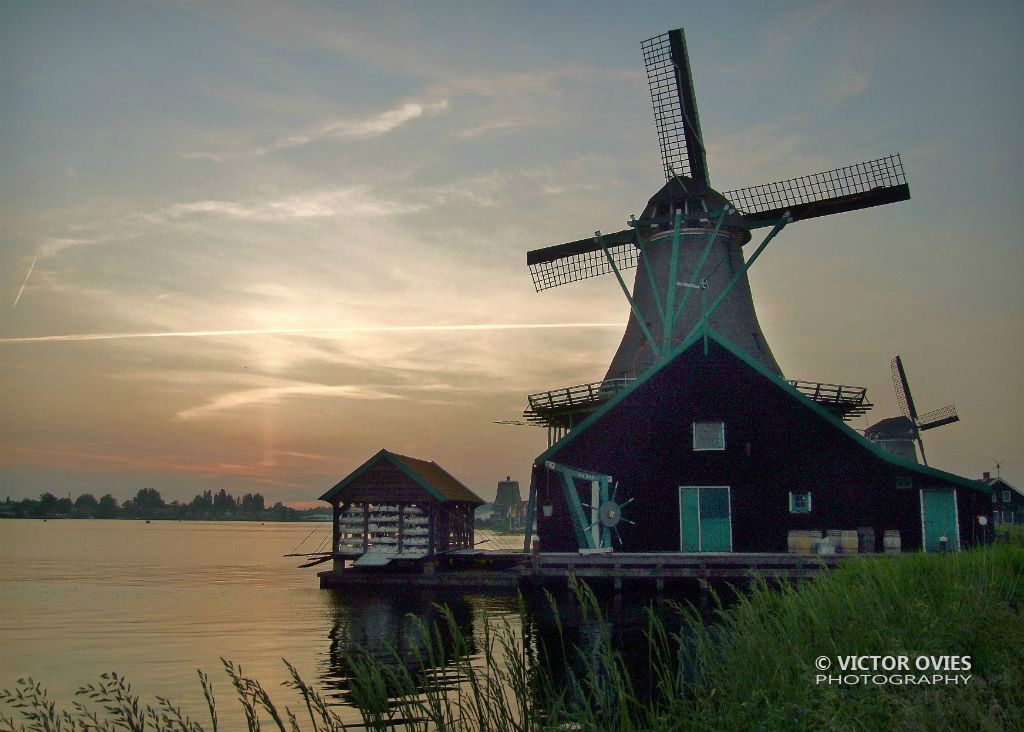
[[511, 570]]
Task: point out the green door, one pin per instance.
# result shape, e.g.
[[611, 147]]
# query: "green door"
[[938, 520], [705, 523]]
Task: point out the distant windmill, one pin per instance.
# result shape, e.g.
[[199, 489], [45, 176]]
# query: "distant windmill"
[[690, 237], [898, 434], [921, 422]]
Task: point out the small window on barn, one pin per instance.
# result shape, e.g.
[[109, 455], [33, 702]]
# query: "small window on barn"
[[995, 496], [905, 482], [709, 435], [1006, 496], [799, 502]]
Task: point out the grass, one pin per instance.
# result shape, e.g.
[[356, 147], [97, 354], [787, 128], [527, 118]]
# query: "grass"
[[753, 668]]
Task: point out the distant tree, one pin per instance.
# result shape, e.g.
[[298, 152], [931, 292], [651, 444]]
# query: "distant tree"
[[147, 502], [63, 507], [107, 507], [252, 503], [85, 505], [201, 505], [148, 499], [281, 512], [47, 504], [223, 503]]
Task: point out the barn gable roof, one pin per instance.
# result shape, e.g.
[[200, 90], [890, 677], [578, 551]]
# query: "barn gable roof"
[[695, 341], [428, 475], [1001, 484]]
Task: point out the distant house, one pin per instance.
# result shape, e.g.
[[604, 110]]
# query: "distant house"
[[713, 452], [1007, 501], [395, 506]]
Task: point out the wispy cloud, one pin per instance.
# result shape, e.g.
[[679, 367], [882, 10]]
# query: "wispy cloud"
[[337, 129], [357, 201], [275, 394], [325, 332]]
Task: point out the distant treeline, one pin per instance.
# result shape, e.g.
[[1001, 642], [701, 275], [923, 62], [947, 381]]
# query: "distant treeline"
[[149, 504]]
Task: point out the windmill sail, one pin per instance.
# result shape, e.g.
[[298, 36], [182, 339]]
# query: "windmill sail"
[[867, 184], [581, 260], [899, 382], [938, 417], [675, 106]]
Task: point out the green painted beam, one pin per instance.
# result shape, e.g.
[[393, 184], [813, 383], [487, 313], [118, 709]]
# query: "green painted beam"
[[670, 286], [706, 317], [720, 215], [629, 298]]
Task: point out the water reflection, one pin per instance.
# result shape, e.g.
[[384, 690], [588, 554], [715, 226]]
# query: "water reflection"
[[562, 636], [388, 625]]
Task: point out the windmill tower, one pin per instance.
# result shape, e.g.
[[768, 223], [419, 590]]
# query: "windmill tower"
[[897, 435], [688, 244]]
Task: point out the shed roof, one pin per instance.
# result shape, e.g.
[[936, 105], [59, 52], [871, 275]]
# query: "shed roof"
[[428, 475], [694, 342]]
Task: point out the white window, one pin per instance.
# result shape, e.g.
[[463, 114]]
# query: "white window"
[[995, 496], [799, 502], [709, 435], [1006, 496]]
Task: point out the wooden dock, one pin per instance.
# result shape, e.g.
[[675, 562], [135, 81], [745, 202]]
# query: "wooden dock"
[[510, 570]]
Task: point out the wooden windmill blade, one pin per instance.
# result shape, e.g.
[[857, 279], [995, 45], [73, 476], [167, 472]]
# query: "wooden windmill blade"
[[853, 187], [580, 260], [938, 418], [903, 396], [675, 106]]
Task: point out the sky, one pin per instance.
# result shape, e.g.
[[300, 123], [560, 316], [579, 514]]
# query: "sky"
[[246, 245]]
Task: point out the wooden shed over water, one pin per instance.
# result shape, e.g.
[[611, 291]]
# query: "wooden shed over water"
[[399, 507]]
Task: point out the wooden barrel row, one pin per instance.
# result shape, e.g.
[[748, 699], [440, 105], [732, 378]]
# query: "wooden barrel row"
[[841, 541]]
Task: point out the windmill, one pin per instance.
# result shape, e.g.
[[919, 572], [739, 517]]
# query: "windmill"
[[911, 425], [689, 239]]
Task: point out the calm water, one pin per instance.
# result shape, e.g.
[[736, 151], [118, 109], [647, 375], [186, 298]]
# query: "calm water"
[[157, 601]]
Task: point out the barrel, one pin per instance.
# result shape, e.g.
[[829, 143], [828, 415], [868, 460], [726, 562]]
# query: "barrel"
[[891, 541], [845, 541], [802, 541]]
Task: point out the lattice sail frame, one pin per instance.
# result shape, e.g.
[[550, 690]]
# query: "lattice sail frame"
[[582, 266], [675, 107], [847, 182]]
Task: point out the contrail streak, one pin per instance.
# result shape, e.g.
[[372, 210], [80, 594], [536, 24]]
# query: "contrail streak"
[[31, 267], [302, 331]]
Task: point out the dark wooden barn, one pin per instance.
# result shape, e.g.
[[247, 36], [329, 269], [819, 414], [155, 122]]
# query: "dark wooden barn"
[[712, 452], [394, 506], [1007, 500]]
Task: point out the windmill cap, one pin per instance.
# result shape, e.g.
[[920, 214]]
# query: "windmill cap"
[[892, 428], [696, 200]]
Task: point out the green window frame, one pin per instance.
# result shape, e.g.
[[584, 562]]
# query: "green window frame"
[[799, 501]]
